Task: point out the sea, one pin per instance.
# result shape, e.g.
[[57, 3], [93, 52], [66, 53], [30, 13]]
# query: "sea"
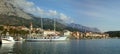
[[85, 46]]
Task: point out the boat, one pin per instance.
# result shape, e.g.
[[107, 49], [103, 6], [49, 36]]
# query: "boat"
[[53, 38], [7, 39], [59, 38], [18, 39], [46, 38]]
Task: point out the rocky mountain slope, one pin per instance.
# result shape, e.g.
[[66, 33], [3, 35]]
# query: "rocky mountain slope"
[[7, 8]]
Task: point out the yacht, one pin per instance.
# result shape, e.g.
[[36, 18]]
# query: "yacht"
[[46, 38], [7, 39], [52, 38]]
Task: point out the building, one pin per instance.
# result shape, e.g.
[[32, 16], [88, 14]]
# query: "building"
[[93, 34], [67, 33], [50, 32], [77, 34]]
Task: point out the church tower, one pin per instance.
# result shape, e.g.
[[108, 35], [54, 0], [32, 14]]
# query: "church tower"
[[31, 26]]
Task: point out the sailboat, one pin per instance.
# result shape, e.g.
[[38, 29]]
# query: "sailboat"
[[46, 38]]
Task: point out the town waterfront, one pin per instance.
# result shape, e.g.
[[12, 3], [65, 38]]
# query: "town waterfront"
[[91, 46]]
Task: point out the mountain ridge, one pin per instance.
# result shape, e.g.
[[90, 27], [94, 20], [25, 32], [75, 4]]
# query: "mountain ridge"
[[7, 8], [83, 28], [16, 16]]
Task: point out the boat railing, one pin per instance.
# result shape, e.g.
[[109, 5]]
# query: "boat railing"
[[44, 37]]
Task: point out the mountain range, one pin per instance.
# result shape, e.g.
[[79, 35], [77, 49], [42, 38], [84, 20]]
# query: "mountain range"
[[83, 28], [16, 16]]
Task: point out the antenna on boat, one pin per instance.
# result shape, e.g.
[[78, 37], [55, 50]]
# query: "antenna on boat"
[[41, 23]]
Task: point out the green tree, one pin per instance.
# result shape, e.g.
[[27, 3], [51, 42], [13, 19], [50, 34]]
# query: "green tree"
[[1, 28]]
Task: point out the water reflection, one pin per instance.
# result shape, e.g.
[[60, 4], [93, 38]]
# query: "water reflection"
[[41, 48], [6, 48], [99, 46]]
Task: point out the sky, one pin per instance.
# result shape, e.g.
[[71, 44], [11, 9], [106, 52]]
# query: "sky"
[[102, 14]]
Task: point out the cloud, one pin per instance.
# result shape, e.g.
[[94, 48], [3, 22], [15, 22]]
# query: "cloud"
[[23, 3], [52, 12], [63, 16], [30, 7], [39, 10]]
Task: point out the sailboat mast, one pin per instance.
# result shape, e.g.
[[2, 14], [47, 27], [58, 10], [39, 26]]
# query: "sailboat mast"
[[41, 23], [42, 26], [54, 25]]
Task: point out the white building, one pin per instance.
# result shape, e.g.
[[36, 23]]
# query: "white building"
[[51, 33], [67, 33]]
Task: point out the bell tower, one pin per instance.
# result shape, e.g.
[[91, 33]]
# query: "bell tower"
[[31, 26]]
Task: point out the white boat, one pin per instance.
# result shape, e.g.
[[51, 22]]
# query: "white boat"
[[7, 39], [53, 38], [46, 38], [58, 38]]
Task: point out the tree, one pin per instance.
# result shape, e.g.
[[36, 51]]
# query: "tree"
[[1, 28], [113, 33]]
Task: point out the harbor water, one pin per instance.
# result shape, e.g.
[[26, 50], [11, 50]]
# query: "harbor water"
[[92, 46]]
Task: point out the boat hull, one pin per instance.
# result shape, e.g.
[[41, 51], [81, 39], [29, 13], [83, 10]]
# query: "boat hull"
[[7, 42], [47, 40]]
